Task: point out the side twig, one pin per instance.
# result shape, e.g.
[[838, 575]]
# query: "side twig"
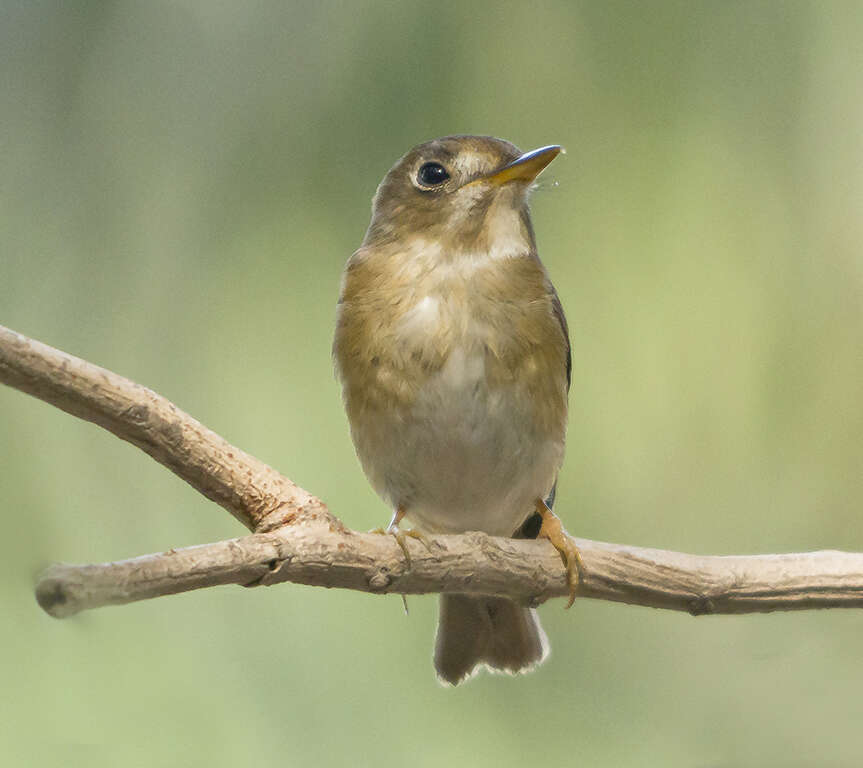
[[250, 490]]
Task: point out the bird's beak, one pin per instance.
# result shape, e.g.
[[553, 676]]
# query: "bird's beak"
[[525, 168]]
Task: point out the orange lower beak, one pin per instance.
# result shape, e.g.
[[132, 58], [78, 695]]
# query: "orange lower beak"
[[527, 167]]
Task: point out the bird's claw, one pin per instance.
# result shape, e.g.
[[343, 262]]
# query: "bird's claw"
[[552, 529], [401, 538]]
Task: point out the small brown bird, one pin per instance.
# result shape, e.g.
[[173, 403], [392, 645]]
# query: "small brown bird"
[[453, 353]]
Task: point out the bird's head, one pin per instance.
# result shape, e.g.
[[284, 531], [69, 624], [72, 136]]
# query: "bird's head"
[[465, 193]]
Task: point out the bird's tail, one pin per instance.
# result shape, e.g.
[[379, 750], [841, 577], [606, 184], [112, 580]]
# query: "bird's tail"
[[493, 631]]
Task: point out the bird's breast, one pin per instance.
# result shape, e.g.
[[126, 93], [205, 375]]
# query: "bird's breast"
[[455, 389]]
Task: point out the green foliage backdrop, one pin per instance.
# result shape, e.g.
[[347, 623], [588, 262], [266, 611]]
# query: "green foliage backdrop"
[[181, 184]]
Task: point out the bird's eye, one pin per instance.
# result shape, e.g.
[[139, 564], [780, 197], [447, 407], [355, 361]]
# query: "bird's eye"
[[432, 174]]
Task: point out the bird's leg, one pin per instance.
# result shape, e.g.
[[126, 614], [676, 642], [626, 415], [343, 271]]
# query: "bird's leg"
[[400, 535], [552, 529]]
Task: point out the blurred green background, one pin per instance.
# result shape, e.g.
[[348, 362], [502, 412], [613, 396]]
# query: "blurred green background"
[[181, 184]]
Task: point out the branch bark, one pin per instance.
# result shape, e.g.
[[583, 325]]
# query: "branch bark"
[[473, 563], [297, 539]]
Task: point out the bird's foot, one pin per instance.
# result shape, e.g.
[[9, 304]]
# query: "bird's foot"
[[401, 536], [552, 529]]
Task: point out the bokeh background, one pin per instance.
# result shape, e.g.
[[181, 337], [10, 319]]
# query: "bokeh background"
[[181, 184]]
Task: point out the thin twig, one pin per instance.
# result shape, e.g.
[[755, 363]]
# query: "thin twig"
[[251, 491]]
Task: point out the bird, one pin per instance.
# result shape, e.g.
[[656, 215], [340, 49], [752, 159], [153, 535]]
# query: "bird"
[[453, 354]]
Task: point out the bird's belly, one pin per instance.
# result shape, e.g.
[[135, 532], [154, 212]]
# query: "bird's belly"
[[466, 454]]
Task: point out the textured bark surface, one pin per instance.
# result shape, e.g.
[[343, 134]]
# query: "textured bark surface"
[[474, 563], [297, 539]]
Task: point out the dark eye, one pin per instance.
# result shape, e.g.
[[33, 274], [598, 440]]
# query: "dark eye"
[[432, 174]]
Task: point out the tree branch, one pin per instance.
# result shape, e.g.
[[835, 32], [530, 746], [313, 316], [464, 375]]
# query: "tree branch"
[[474, 563], [250, 490], [297, 539]]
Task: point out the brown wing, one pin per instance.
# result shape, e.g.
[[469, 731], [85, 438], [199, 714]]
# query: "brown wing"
[[529, 529], [557, 308]]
